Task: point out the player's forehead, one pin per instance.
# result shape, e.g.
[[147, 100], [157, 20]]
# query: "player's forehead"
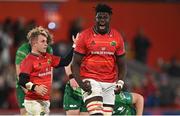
[[102, 14], [42, 37]]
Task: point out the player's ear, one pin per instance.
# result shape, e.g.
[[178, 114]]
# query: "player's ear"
[[34, 41]]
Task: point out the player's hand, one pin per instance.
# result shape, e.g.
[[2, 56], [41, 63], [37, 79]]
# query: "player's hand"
[[24, 89], [119, 86], [73, 83], [86, 86], [41, 89], [75, 39]]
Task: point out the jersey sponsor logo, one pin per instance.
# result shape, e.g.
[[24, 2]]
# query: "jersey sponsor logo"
[[102, 53], [44, 74], [92, 43], [72, 106], [39, 64], [113, 43], [121, 109], [49, 61]]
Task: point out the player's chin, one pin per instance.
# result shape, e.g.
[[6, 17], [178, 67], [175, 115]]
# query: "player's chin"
[[43, 51]]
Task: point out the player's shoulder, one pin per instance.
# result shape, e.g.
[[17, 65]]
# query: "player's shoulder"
[[23, 50], [49, 55], [115, 32], [86, 32], [24, 47], [28, 58]]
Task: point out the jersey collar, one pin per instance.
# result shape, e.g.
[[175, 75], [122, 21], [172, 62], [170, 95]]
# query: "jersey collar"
[[95, 32]]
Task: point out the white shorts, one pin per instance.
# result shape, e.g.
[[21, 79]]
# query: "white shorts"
[[37, 107], [103, 89]]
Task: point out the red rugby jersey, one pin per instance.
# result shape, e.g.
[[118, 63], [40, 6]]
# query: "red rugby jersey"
[[100, 52], [40, 70]]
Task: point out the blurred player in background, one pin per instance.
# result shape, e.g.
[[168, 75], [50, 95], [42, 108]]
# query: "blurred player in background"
[[21, 54], [98, 61], [128, 103], [36, 72]]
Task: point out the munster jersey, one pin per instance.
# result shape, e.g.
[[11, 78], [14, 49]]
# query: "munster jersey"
[[40, 70], [100, 51], [23, 51]]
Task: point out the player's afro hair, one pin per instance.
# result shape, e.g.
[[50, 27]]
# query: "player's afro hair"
[[103, 8]]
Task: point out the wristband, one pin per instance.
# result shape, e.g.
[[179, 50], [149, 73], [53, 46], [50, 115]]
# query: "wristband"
[[71, 76], [120, 83], [33, 87], [30, 86], [74, 45]]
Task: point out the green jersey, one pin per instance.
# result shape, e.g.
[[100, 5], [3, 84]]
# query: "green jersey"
[[123, 104], [123, 101]]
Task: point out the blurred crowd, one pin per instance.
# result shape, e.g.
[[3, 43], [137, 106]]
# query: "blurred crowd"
[[159, 87]]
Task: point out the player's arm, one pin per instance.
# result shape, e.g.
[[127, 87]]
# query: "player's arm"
[[20, 55], [72, 81], [121, 62], [17, 70], [122, 70], [76, 62], [26, 68], [67, 58], [65, 61], [138, 101], [24, 80], [58, 61]]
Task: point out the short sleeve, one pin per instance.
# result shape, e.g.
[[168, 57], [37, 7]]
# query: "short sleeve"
[[80, 44], [26, 66], [55, 60], [120, 50]]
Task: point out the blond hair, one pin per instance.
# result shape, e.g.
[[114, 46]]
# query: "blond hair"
[[35, 32]]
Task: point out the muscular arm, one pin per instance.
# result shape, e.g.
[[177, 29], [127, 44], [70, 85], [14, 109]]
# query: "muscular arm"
[[138, 101], [122, 68], [66, 59], [68, 69], [76, 63]]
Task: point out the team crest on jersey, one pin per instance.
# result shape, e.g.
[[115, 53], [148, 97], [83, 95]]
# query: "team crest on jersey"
[[39, 64], [49, 61], [93, 43], [113, 43]]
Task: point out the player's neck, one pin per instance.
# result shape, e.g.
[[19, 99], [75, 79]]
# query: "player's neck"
[[35, 52]]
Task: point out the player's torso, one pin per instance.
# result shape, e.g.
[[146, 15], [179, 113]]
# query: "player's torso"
[[41, 74], [99, 62]]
